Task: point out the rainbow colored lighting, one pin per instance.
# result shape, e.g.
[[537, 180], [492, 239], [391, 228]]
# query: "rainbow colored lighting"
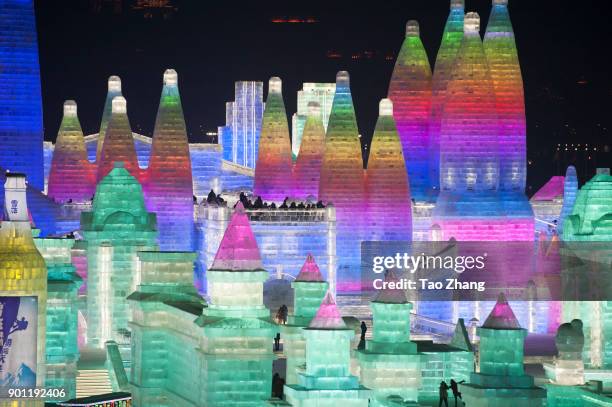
[[169, 187], [273, 169], [72, 176], [307, 168], [410, 91], [342, 183], [114, 89]]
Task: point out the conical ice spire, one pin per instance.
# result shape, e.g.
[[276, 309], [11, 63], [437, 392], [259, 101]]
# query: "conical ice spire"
[[273, 169], [169, 187], [114, 89], [388, 295], [501, 316], [451, 41], [469, 152], [410, 91], [310, 271], [327, 316], [238, 250], [387, 186], [502, 56], [118, 142], [72, 176], [307, 168]]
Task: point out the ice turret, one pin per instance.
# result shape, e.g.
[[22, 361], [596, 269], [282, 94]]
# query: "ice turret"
[[387, 185], [570, 190], [118, 142], [72, 176], [342, 182], [308, 165], [410, 91], [169, 187], [114, 89], [273, 169]]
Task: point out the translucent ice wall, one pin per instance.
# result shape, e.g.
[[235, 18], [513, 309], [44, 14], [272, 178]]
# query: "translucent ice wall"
[[114, 89], [342, 183], [169, 186], [21, 124], [387, 185], [273, 169], [570, 190], [72, 176], [451, 41], [410, 91], [308, 165], [118, 142]]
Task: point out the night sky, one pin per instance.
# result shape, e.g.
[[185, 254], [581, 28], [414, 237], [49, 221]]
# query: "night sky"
[[563, 48]]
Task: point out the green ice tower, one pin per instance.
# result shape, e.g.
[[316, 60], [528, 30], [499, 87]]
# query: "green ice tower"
[[117, 227], [62, 351], [390, 364], [327, 381], [502, 381], [235, 352], [309, 288]]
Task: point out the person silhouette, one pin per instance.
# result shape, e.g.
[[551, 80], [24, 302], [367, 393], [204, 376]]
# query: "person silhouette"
[[443, 394], [455, 389]]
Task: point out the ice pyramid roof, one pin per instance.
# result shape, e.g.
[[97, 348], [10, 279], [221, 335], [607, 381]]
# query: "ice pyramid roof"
[[238, 250], [328, 315], [391, 295], [551, 190], [501, 316], [310, 271]]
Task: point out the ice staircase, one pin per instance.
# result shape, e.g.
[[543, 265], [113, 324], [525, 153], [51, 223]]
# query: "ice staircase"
[[91, 382]]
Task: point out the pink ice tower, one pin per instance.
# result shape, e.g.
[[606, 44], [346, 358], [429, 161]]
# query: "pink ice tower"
[[470, 206]]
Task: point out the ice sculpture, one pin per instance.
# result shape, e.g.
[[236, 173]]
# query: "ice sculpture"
[[570, 189], [236, 357], [547, 203], [342, 183], [118, 142], [451, 41], [117, 227], [568, 368], [387, 185], [308, 165], [410, 91], [470, 206], [21, 121], [114, 90], [309, 288], [327, 380], [320, 93], [169, 187], [390, 364], [502, 380], [23, 282], [502, 56], [273, 169], [72, 176]]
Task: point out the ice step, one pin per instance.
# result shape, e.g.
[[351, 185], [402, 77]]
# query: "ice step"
[[91, 382]]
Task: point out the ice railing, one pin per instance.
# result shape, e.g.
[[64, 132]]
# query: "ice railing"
[[288, 215]]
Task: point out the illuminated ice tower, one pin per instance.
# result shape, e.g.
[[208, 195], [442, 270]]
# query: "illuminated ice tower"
[[72, 176], [309, 288], [114, 89], [273, 169], [117, 227], [21, 126], [342, 183], [169, 187], [502, 56], [23, 294], [387, 186], [307, 168], [390, 364], [327, 380], [502, 380], [235, 355], [469, 206], [410, 91], [451, 41], [570, 189]]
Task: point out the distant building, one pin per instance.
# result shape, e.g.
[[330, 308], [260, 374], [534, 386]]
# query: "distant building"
[[321, 93]]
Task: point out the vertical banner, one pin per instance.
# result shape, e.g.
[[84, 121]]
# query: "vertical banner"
[[18, 342]]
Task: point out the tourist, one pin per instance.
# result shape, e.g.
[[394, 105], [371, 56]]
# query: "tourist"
[[455, 389], [443, 394]]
